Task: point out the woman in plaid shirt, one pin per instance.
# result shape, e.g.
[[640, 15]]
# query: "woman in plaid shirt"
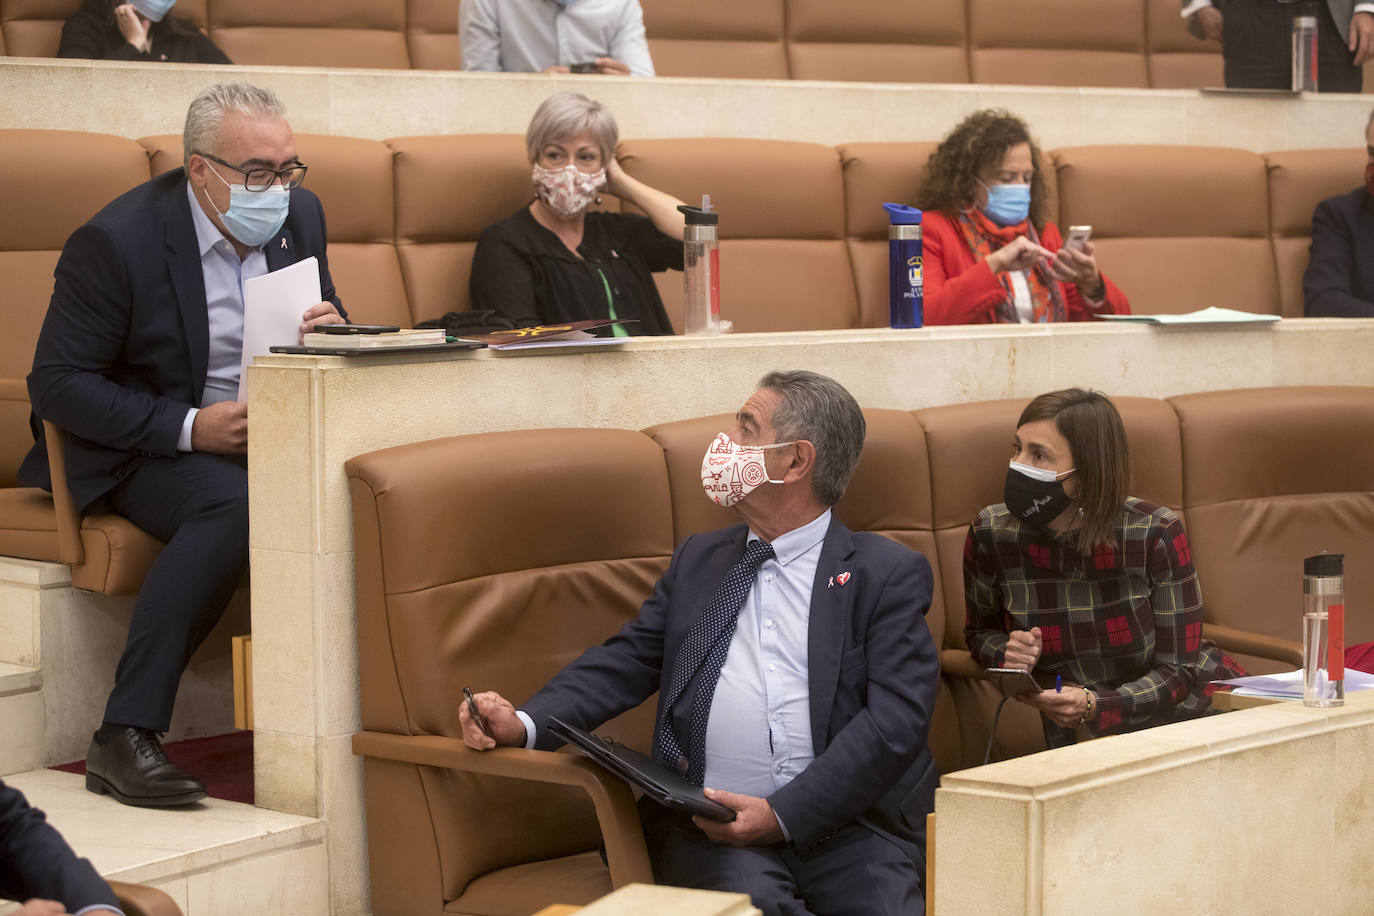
[[1072, 577]]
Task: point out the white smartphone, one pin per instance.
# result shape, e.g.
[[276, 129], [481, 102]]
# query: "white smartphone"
[[1078, 237]]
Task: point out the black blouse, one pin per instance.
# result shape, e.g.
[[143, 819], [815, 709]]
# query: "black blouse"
[[92, 36], [525, 272]]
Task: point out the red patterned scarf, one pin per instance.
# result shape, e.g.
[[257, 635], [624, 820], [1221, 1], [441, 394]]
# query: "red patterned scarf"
[[984, 237]]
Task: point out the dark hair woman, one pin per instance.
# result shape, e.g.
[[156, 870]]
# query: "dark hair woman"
[[136, 30], [1071, 578], [990, 255]]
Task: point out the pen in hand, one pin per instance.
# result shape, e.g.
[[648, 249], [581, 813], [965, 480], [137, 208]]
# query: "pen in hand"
[[1058, 683], [476, 713]]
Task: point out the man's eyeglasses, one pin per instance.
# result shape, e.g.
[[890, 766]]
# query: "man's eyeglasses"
[[292, 177]]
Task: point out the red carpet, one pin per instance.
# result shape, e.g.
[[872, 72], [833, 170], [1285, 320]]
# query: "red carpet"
[[224, 763]]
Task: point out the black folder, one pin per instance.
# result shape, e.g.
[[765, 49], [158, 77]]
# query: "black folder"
[[663, 785]]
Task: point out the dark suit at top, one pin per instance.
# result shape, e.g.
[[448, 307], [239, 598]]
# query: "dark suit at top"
[[873, 674], [1339, 280], [121, 358], [36, 862]]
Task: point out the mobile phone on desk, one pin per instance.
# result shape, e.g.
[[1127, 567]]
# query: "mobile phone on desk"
[[476, 713], [1013, 682], [585, 68], [357, 328], [1078, 237]]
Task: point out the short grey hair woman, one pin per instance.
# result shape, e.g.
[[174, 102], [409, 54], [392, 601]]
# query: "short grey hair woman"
[[557, 260]]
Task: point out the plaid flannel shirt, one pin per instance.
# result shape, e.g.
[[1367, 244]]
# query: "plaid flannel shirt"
[[1123, 621]]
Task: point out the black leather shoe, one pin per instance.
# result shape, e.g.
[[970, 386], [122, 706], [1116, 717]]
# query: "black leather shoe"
[[133, 767]]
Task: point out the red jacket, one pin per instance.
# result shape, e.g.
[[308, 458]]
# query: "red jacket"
[[960, 290]]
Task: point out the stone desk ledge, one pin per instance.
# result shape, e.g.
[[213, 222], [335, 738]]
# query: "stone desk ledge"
[[309, 414]]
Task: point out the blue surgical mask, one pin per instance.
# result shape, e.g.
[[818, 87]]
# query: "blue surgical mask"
[[254, 217], [1007, 204], [153, 10]]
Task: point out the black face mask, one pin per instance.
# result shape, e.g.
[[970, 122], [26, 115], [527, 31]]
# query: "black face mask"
[[1035, 502]]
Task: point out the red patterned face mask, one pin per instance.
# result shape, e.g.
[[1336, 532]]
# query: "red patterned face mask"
[[730, 472], [1369, 178], [567, 191]]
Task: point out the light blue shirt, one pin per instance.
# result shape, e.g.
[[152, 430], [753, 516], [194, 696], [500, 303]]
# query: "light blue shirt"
[[758, 736], [224, 274], [526, 36], [102, 907]]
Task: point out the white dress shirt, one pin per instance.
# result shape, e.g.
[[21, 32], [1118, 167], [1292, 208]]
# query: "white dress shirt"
[[224, 274], [526, 36]]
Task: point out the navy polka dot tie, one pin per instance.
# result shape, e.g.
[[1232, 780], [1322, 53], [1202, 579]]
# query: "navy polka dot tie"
[[705, 648]]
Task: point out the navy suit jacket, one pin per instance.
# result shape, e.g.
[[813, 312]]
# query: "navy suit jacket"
[[873, 674], [36, 862], [1339, 280], [125, 343]]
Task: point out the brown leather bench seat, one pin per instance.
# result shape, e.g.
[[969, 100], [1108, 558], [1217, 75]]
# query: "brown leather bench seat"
[[499, 577]]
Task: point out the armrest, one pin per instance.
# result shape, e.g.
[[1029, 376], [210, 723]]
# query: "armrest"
[[616, 813], [142, 900], [69, 544], [1244, 641], [960, 663]]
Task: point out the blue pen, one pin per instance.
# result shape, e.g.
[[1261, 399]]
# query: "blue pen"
[[1058, 683]]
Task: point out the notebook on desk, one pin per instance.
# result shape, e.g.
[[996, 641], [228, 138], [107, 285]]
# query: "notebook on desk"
[[663, 785]]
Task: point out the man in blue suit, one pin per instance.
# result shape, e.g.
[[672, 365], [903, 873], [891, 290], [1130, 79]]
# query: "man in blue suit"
[[139, 362], [1339, 280], [795, 672], [37, 866]]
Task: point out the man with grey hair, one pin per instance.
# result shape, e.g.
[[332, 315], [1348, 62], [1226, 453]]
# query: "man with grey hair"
[[138, 361], [795, 674], [554, 36]]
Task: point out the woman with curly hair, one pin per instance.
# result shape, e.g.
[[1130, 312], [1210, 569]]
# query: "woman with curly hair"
[[990, 255]]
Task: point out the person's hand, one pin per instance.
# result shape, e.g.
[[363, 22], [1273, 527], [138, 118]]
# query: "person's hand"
[[1020, 254], [1079, 267], [609, 66], [615, 178], [1362, 37], [501, 719], [1064, 708], [318, 314], [1209, 18], [133, 27], [755, 824], [1023, 649], [555, 69], [221, 429], [37, 907]]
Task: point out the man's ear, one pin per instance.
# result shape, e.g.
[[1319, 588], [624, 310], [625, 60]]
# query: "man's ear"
[[195, 169], [803, 461]]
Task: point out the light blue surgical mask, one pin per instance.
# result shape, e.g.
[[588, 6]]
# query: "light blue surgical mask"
[[1007, 204], [254, 217], [153, 10]]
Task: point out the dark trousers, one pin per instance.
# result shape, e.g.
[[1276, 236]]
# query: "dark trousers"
[[854, 872], [1257, 47], [198, 504]]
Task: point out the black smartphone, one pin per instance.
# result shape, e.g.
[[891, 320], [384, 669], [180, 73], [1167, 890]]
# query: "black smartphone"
[[476, 713], [584, 68], [357, 328], [1013, 682]]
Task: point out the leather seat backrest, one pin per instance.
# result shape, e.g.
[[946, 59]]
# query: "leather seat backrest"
[[718, 38], [352, 178], [575, 531], [33, 28], [1165, 217], [353, 33], [901, 41], [1271, 476], [1058, 42], [432, 34], [1177, 59], [783, 261], [89, 170], [1298, 181]]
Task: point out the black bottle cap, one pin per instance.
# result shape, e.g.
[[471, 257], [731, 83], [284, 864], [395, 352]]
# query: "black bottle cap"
[[1323, 564], [699, 217]]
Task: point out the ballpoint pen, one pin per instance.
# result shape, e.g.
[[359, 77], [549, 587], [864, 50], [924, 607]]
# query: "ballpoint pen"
[[1058, 683]]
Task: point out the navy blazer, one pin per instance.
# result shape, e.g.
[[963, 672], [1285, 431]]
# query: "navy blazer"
[[1339, 280], [125, 343], [874, 669], [36, 862]]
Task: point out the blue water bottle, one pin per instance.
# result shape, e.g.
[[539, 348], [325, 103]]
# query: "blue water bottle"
[[904, 266]]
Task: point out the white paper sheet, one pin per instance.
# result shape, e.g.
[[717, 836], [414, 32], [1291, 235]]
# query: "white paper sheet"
[[1289, 683], [1213, 315], [272, 309]]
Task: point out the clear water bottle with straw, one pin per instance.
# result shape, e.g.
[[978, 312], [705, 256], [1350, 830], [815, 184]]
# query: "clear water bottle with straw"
[[1304, 50], [1323, 630], [701, 269]]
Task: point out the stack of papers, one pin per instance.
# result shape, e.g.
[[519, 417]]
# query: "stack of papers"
[[1211, 315], [1288, 685]]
